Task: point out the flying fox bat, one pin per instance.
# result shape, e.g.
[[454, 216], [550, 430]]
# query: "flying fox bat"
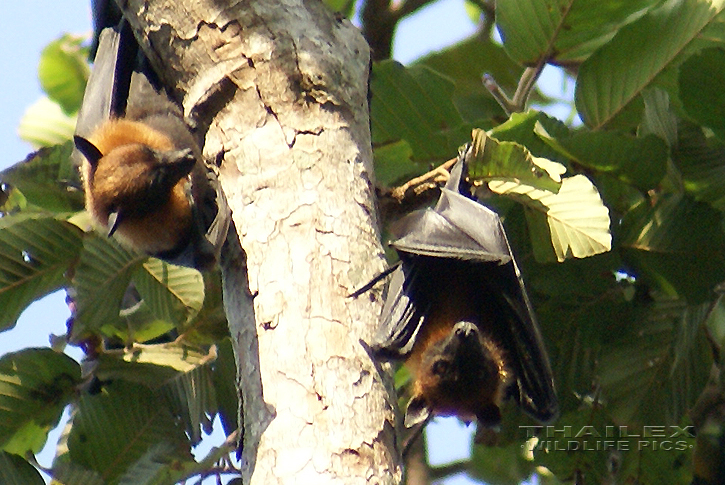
[[457, 311], [143, 173]]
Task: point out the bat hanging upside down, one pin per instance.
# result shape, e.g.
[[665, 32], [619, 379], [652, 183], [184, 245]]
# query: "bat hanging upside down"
[[143, 173], [456, 310]]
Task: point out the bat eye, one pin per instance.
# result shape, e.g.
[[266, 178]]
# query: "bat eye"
[[440, 367]]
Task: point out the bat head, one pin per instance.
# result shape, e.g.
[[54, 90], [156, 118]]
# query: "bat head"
[[463, 374]]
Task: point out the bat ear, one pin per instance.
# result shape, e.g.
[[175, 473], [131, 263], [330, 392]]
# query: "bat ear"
[[88, 149], [114, 219], [418, 412]]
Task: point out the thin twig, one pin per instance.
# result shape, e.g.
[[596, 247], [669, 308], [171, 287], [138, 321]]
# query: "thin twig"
[[438, 174]]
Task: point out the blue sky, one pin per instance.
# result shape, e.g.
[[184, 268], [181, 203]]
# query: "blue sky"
[[27, 26]]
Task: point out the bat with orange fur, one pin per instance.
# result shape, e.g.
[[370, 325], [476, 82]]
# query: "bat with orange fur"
[[143, 173], [457, 311]]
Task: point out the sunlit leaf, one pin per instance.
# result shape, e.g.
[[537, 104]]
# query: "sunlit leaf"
[[47, 179], [35, 253], [612, 79], [572, 223], [63, 71], [45, 124], [562, 31], [35, 386], [490, 159], [173, 293]]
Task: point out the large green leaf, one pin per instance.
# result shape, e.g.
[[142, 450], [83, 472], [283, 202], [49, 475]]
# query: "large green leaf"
[[115, 428], [101, 280], [63, 71], [656, 369], [701, 80], [181, 374], [671, 240], [702, 165], [562, 31], [465, 63], [612, 79], [35, 386], [36, 251], [14, 470], [571, 223], [522, 128], [641, 162], [65, 472], [415, 105], [47, 179]]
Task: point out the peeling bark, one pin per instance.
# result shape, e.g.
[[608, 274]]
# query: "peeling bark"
[[279, 88]]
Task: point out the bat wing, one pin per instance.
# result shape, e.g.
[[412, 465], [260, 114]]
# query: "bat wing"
[[107, 88], [519, 333], [462, 230]]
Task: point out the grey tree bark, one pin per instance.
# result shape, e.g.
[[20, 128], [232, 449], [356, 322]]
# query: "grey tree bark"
[[280, 90]]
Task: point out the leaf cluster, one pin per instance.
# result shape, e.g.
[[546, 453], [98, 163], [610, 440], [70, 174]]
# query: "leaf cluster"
[[158, 364]]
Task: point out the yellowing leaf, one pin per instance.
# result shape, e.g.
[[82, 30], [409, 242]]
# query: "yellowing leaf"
[[576, 218]]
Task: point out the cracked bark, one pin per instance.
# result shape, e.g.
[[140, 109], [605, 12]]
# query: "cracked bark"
[[279, 89]]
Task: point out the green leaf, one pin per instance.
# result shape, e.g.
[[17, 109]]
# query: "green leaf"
[[115, 428], [47, 179], [63, 71], [393, 163], [671, 240], [489, 159], [501, 464], [35, 253], [45, 124], [572, 223], [151, 365], [612, 79], [173, 293], [415, 105], [641, 162], [14, 470], [192, 397], [35, 386], [465, 63], [656, 369], [701, 80], [522, 128], [562, 31], [702, 165], [65, 472], [658, 117], [101, 280]]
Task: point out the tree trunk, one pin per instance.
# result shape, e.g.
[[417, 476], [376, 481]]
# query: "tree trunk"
[[280, 91]]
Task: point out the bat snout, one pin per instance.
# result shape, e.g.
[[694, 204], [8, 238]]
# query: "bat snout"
[[466, 330]]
